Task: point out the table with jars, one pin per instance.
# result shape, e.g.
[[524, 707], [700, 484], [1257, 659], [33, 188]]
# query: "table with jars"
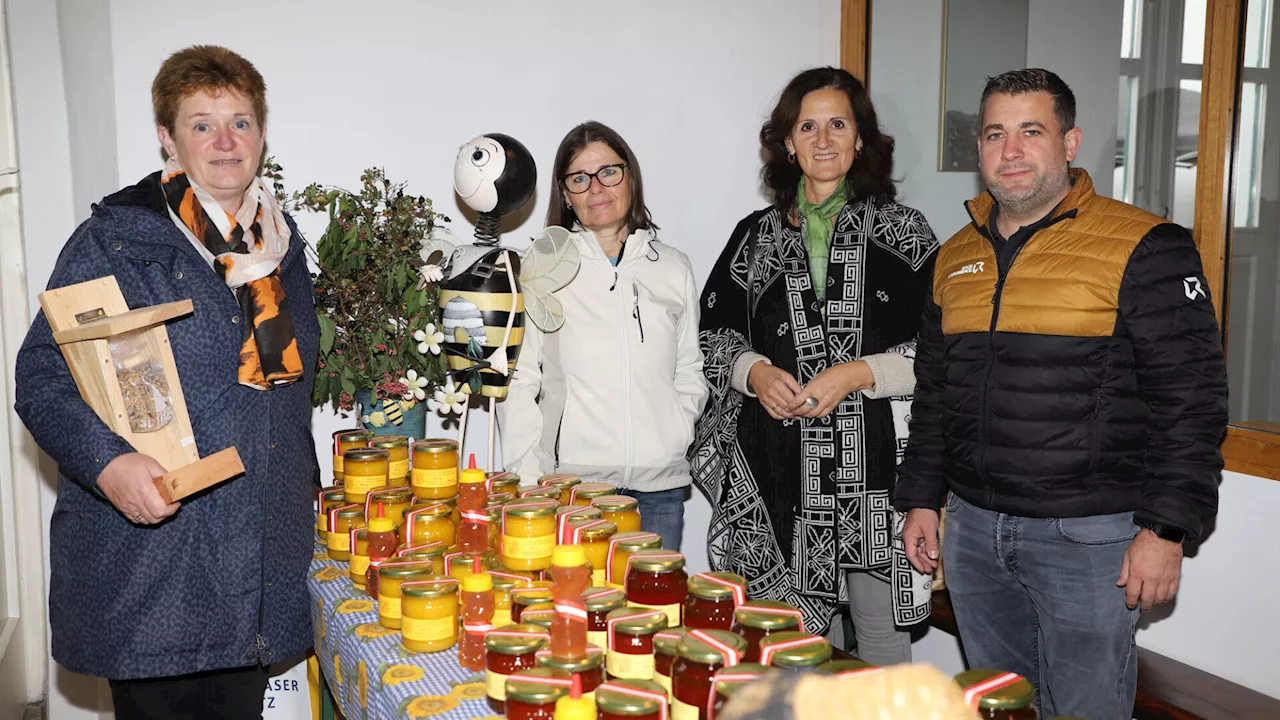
[[432, 596]]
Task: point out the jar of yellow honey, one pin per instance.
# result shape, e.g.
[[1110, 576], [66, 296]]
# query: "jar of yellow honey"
[[365, 469], [397, 447], [341, 520], [503, 583], [390, 577], [328, 499], [621, 510], [344, 440], [495, 527], [455, 514], [594, 536], [395, 503], [458, 565], [503, 482], [431, 552], [429, 523], [528, 534], [429, 614], [435, 469], [570, 513], [358, 564], [621, 547]]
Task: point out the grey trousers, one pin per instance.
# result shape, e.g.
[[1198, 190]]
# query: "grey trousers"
[[880, 642]]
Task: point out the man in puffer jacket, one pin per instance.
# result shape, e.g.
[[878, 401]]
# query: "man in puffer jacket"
[[1071, 395]]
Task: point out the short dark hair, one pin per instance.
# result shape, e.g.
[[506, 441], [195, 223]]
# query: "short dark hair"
[[561, 215], [205, 68], [1029, 80], [870, 175]]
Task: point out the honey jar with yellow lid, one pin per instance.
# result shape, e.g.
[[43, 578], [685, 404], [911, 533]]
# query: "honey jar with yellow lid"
[[344, 440], [435, 469], [429, 614], [341, 521], [365, 469], [391, 575], [397, 447]]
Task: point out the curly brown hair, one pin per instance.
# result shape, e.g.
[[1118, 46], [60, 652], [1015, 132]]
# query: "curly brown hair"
[[205, 68], [870, 176]]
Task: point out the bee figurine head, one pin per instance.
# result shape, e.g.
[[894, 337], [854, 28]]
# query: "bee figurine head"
[[494, 175]]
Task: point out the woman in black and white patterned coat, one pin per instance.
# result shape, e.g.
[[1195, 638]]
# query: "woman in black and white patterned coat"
[[808, 327]]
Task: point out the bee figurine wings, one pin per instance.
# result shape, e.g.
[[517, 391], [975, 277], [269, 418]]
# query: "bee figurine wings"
[[488, 291]]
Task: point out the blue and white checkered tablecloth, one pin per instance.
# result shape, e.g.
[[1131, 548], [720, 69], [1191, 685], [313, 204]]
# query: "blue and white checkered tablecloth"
[[370, 674]]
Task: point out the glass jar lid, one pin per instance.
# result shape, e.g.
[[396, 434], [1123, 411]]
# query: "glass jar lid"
[[579, 512], [1000, 690], [667, 641], [498, 499], [560, 481], [433, 588], [588, 491], [704, 586], [636, 621], [727, 680], [529, 596], [615, 503], [388, 442], [516, 639], [434, 511], [603, 599], [352, 511], [435, 446], [635, 541], [770, 615], [594, 530], [334, 494], [541, 492], [592, 660], [539, 614], [506, 581], [535, 686], [657, 561], [365, 454], [530, 509], [353, 435], [404, 570], [619, 702], [692, 648], [794, 649]]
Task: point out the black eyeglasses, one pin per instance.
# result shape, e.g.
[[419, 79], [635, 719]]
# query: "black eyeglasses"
[[580, 182]]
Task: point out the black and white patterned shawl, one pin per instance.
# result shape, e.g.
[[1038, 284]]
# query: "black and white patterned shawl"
[[796, 504]]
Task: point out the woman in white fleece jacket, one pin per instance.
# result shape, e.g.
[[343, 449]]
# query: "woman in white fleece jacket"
[[614, 394]]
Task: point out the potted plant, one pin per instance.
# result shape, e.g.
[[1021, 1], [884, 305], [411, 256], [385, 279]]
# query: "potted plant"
[[376, 302]]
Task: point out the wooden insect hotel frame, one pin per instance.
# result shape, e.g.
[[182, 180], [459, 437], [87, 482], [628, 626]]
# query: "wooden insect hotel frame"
[[84, 318]]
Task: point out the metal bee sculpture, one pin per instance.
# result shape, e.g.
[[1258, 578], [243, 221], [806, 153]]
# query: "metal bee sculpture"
[[485, 295]]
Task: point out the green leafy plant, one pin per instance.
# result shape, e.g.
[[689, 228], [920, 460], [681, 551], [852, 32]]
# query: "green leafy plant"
[[370, 295]]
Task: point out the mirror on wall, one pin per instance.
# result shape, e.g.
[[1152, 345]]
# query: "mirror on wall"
[[969, 56]]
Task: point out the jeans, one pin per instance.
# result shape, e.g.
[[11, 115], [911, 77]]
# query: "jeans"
[[1038, 596], [879, 641], [234, 694], [662, 512]]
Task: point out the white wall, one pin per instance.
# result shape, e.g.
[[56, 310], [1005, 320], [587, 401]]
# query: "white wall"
[[1217, 623], [402, 85]]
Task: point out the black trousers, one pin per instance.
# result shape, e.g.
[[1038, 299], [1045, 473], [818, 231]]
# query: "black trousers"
[[234, 694]]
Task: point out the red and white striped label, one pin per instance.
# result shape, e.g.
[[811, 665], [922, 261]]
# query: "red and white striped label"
[[548, 479], [488, 484], [520, 634], [416, 548], [575, 531], [563, 529]]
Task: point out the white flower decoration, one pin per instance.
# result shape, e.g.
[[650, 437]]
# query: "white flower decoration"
[[431, 273], [429, 339], [448, 399], [416, 386]]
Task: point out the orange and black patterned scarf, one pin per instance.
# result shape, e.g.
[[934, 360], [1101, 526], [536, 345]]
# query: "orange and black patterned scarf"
[[245, 250]]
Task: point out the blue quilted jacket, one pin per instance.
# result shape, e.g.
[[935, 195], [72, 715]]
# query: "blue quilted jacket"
[[222, 583]]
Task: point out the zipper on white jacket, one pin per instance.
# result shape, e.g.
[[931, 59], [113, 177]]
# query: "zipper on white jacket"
[[635, 308], [626, 393]]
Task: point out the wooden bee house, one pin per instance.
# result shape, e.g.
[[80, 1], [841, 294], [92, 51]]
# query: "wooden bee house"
[[139, 397]]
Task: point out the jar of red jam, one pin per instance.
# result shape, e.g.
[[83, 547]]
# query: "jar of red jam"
[[999, 695], [757, 619], [656, 580], [701, 654], [712, 598], [664, 655], [727, 680], [589, 669], [532, 694], [852, 666], [630, 700], [600, 602], [794, 650], [508, 650], [631, 632]]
